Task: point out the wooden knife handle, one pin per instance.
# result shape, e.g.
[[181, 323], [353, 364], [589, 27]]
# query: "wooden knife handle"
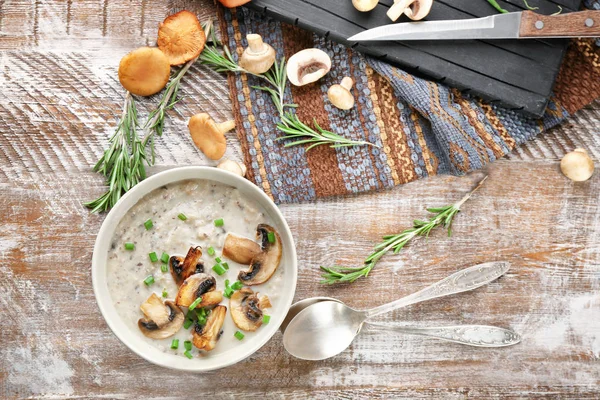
[[575, 24]]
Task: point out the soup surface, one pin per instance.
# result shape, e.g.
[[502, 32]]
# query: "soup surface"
[[200, 202]]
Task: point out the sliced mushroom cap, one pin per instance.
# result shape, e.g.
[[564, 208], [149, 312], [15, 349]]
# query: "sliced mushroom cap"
[[246, 309], [263, 265], [205, 337], [198, 285], [162, 320], [183, 268], [240, 249], [307, 66]]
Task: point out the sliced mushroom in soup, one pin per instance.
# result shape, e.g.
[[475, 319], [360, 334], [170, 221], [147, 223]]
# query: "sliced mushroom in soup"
[[198, 285], [263, 265], [161, 320], [247, 309], [205, 337], [183, 268]]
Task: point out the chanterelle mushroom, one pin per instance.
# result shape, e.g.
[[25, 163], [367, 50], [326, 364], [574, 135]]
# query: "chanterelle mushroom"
[[181, 37], [308, 66], [162, 320], [198, 285], [209, 136], [246, 309], [240, 249], [205, 337], [181, 268], [264, 264], [258, 57], [414, 9], [365, 5], [144, 71], [340, 96]]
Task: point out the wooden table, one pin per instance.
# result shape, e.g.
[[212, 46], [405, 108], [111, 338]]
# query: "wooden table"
[[60, 99]]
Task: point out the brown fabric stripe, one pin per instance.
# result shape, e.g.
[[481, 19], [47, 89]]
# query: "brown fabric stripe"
[[471, 114], [498, 125], [387, 142], [240, 132], [322, 160], [428, 156], [363, 126], [390, 117], [578, 82], [251, 118]]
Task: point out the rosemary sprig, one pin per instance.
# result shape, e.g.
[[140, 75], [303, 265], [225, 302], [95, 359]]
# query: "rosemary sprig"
[[296, 129], [276, 78], [122, 163], [443, 217]]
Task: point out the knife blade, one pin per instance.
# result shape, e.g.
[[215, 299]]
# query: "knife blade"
[[518, 25]]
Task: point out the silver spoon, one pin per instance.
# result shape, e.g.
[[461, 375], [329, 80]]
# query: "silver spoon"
[[326, 328], [448, 333]]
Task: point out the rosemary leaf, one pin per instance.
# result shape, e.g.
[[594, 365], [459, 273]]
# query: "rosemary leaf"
[[443, 217]]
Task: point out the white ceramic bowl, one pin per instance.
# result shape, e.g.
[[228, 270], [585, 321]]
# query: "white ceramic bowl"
[[145, 349]]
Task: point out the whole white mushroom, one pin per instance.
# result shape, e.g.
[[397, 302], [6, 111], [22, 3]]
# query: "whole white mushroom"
[[577, 165]]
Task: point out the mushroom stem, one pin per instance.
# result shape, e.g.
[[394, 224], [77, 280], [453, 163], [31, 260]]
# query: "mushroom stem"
[[226, 126], [255, 42], [399, 8], [347, 83]]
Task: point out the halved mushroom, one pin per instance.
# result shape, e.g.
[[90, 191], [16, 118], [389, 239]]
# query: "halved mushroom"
[[162, 320], [246, 309], [414, 9], [198, 285], [307, 66], [205, 337], [264, 264], [240, 249], [258, 57], [181, 268]]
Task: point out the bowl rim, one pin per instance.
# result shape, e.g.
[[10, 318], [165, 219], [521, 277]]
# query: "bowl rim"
[[99, 278]]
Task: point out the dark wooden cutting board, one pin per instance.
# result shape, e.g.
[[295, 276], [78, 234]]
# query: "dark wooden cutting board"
[[518, 74]]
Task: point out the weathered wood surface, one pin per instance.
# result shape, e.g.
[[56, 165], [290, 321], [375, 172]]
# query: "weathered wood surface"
[[58, 104]]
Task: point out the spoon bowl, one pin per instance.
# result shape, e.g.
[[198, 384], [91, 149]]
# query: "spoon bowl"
[[301, 305], [328, 326]]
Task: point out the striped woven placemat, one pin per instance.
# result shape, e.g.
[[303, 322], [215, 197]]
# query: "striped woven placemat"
[[422, 128]]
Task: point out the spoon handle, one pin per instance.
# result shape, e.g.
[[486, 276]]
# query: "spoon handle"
[[471, 335], [461, 281]]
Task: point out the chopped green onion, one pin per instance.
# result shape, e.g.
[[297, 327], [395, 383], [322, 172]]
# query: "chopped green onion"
[[210, 251], [165, 294], [219, 270], [149, 280], [182, 217], [195, 303], [238, 335], [271, 237], [164, 258], [148, 224], [218, 260], [188, 345], [175, 344], [266, 319], [164, 268], [226, 282], [129, 246], [228, 292], [237, 285], [153, 256], [219, 222], [188, 322], [225, 265], [188, 354]]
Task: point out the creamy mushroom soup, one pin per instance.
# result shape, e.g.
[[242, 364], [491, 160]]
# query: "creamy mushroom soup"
[[172, 222]]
